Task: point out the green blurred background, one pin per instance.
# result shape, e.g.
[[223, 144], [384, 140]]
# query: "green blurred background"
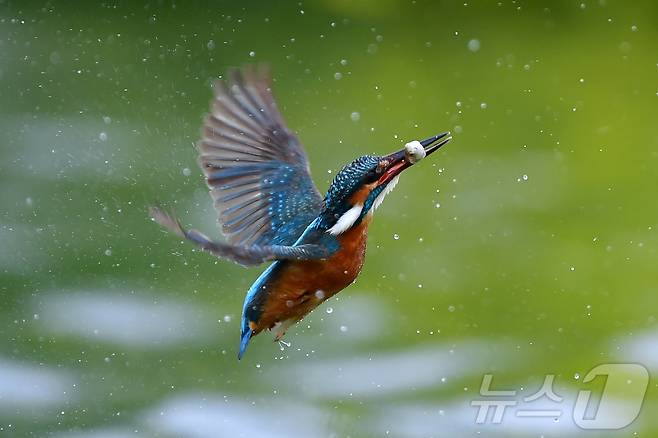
[[526, 247]]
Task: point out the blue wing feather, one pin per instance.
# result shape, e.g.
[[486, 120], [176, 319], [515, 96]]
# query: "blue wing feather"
[[256, 168]]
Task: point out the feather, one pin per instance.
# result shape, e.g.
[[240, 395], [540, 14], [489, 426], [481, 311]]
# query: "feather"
[[346, 221], [388, 189], [255, 167]]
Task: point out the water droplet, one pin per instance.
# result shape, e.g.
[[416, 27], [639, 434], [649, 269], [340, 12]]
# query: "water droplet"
[[187, 171], [210, 44], [319, 294], [102, 136], [343, 62], [576, 376], [474, 45], [483, 105], [227, 318], [355, 116], [252, 54], [107, 120], [572, 268], [330, 310], [451, 308], [343, 328], [396, 236], [338, 76], [108, 252]]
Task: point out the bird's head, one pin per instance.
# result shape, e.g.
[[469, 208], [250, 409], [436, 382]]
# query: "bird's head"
[[361, 186]]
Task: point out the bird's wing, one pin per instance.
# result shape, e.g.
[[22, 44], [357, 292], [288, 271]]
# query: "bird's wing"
[[321, 248], [256, 168]]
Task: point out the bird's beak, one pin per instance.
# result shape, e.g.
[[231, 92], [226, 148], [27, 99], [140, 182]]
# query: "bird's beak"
[[431, 144], [411, 154]]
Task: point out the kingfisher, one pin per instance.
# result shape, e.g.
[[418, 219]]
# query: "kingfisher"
[[270, 211]]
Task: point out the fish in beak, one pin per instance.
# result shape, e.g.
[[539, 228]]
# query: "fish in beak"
[[412, 153]]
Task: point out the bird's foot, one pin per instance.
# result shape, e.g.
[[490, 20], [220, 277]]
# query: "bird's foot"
[[283, 344], [279, 334]]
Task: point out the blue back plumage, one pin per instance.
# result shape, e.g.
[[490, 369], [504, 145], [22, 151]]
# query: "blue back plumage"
[[251, 308]]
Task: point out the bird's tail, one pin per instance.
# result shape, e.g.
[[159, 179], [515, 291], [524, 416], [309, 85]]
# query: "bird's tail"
[[244, 341]]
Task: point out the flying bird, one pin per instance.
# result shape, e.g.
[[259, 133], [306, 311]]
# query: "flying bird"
[[270, 210]]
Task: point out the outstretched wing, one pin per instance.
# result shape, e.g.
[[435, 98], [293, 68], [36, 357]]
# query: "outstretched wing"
[[322, 248], [255, 166]]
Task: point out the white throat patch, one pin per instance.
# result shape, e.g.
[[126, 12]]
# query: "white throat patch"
[[388, 189], [346, 221]]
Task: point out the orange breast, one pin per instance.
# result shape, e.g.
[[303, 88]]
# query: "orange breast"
[[303, 285]]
